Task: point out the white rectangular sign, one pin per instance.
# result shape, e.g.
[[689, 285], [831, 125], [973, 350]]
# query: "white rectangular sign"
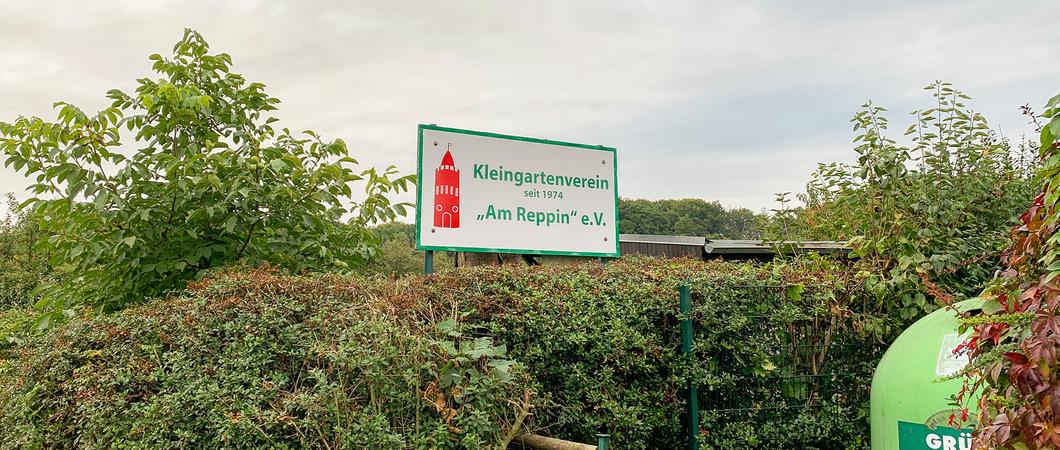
[[486, 192]]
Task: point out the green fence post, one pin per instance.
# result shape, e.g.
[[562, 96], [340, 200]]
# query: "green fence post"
[[428, 262], [686, 350], [602, 441]]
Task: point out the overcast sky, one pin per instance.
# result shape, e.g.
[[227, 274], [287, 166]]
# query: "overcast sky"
[[728, 101]]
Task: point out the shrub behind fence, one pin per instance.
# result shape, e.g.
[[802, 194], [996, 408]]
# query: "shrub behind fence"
[[800, 374]]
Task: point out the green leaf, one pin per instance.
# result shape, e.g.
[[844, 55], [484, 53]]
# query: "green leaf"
[[1054, 127], [230, 224], [992, 306], [1046, 140], [448, 326], [1054, 101]]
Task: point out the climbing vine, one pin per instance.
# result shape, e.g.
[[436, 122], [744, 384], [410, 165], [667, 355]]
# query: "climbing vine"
[[1012, 380]]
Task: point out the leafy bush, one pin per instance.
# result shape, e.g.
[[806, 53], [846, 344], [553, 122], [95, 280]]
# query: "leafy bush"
[[260, 359], [927, 221], [205, 180]]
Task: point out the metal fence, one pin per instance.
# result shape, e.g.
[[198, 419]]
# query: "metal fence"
[[812, 362]]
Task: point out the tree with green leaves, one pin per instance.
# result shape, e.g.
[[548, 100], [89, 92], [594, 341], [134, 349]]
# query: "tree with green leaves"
[[21, 268], [398, 255], [928, 220], [185, 174]]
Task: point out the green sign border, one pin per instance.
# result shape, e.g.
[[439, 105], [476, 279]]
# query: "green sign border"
[[419, 192]]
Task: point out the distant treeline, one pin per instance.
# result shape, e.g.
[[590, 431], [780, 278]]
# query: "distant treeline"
[[686, 217]]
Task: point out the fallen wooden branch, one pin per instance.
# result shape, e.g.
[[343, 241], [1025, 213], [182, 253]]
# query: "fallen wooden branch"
[[547, 443], [520, 416]]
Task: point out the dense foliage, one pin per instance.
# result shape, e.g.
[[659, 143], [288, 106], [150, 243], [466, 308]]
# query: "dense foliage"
[[397, 255], [686, 217], [1014, 344], [22, 269], [254, 361], [262, 359], [184, 174], [928, 220]]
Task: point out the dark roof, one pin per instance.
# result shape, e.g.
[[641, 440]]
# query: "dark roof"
[[751, 248], [724, 246]]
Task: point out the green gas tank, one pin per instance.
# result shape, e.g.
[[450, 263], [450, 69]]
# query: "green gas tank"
[[909, 406]]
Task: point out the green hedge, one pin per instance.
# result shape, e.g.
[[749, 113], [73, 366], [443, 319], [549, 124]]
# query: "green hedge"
[[255, 360], [258, 359]]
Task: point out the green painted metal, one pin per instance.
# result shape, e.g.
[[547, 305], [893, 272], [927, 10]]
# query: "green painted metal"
[[603, 441], [917, 436], [419, 193], [686, 350], [428, 262], [910, 386]]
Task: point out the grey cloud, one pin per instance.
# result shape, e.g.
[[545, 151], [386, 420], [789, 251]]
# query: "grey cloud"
[[753, 94]]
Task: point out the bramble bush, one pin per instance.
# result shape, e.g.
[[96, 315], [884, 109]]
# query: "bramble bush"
[[456, 360]]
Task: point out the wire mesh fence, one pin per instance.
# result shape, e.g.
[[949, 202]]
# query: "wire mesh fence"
[[796, 361]]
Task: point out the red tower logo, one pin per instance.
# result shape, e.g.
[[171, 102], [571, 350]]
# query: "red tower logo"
[[447, 194]]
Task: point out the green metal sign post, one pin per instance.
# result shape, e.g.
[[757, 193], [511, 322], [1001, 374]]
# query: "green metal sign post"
[[686, 350], [603, 441]]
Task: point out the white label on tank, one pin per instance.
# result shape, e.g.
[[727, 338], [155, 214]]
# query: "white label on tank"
[[950, 363]]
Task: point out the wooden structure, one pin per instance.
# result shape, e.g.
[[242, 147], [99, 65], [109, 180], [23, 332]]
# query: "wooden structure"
[[660, 245], [547, 443]]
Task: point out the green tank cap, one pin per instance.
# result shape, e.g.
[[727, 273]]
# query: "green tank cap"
[[909, 403]]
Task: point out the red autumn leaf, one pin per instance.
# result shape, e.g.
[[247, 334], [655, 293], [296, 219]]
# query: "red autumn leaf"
[[1015, 358]]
